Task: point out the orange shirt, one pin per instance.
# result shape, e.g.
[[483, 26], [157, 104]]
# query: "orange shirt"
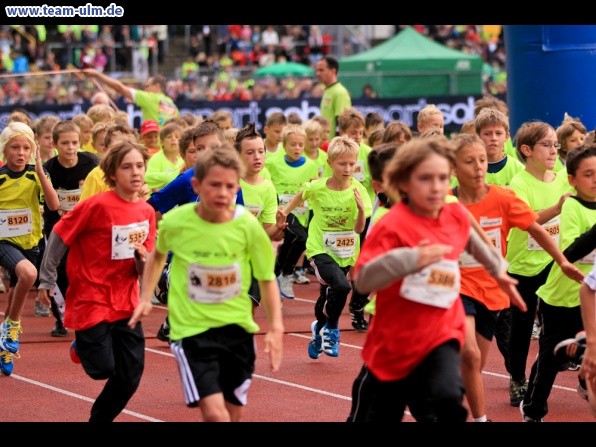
[[152, 151], [497, 213]]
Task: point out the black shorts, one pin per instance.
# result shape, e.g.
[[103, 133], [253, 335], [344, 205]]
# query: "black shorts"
[[11, 255], [220, 360], [486, 320]]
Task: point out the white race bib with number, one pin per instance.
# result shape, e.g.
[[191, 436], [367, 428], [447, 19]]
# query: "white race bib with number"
[[359, 171], [17, 222], [284, 199], [214, 284], [125, 236], [255, 210], [341, 243], [466, 260], [68, 198], [435, 285], [553, 228], [589, 258]]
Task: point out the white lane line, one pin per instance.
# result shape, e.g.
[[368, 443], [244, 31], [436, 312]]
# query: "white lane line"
[[80, 397], [267, 378]]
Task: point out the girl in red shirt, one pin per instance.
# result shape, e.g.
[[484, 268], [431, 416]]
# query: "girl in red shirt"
[[410, 258], [109, 236]]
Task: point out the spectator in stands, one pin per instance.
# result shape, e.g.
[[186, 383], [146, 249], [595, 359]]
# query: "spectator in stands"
[[368, 92]]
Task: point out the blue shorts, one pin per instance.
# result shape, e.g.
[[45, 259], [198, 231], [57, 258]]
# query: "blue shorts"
[[486, 320]]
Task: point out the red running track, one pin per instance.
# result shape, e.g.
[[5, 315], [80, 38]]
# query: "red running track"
[[47, 386]]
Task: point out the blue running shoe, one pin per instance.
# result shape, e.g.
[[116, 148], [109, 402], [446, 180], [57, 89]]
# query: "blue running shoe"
[[6, 363], [315, 345], [74, 354], [9, 336], [331, 342]]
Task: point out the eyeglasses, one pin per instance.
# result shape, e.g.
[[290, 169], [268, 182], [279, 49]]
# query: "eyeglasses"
[[548, 145]]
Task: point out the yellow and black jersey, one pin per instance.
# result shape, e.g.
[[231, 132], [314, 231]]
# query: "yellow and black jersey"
[[20, 216]]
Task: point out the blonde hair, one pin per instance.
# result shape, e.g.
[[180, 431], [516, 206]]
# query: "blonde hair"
[[16, 129], [97, 129], [490, 101], [121, 118], [342, 145], [20, 116], [230, 135], [101, 112], [468, 127], [426, 112], [45, 124], [82, 119], [490, 117], [311, 126], [221, 115], [292, 129]]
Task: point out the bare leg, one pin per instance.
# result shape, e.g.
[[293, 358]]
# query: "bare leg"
[[26, 274]]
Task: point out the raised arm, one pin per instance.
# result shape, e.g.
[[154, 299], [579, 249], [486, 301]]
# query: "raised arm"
[[114, 84], [49, 193]]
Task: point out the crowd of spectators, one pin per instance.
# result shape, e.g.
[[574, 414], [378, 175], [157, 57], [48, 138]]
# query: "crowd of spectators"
[[219, 63]]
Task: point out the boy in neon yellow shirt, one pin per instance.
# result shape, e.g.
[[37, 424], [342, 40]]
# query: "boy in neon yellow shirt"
[[340, 204], [289, 173], [214, 246]]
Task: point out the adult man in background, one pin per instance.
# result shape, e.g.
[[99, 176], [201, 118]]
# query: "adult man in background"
[[336, 97]]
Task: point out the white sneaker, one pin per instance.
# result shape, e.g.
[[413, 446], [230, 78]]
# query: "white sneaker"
[[286, 286], [42, 310], [536, 330], [300, 277], [527, 418]]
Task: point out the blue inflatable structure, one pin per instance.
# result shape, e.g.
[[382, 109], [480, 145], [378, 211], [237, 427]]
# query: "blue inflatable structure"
[[550, 72]]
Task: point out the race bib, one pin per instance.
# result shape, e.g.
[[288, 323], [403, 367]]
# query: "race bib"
[[589, 258], [284, 199], [214, 284], [552, 227], [359, 171], [341, 243], [320, 171], [255, 210], [125, 236], [68, 198], [466, 260], [436, 285], [17, 222]]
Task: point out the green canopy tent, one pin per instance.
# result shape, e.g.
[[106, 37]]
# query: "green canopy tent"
[[410, 65], [284, 69]]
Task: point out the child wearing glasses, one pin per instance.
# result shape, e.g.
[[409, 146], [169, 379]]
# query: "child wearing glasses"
[[559, 298], [545, 191]]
